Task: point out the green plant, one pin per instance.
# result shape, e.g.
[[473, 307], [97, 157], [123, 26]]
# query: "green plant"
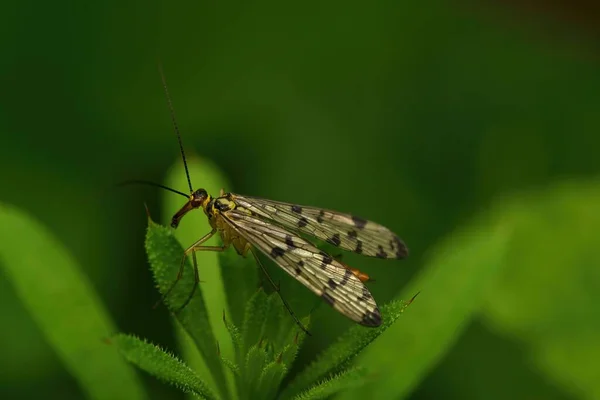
[[249, 358], [62, 302], [248, 352], [265, 344], [236, 341]]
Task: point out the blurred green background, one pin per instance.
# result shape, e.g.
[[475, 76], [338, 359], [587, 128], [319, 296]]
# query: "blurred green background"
[[416, 116]]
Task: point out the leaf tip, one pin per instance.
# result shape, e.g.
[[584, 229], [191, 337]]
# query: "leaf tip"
[[150, 221], [408, 303]]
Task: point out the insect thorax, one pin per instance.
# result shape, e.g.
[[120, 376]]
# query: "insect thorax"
[[214, 210]]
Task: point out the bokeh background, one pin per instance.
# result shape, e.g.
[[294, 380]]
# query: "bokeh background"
[[419, 116]]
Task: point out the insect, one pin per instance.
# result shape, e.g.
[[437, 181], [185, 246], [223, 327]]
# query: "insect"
[[275, 229]]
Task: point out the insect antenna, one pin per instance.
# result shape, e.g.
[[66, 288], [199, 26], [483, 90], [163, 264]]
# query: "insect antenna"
[[172, 111], [174, 120], [150, 183]]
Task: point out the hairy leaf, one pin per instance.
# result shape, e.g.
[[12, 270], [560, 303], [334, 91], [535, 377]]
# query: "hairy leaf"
[[337, 383], [336, 357], [164, 254], [161, 364]]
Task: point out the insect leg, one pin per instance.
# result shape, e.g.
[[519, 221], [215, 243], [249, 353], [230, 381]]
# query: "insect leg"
[[276, 287], [191, 249]]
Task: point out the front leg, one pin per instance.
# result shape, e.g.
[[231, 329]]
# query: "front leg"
[[197, 246], [193, 249]]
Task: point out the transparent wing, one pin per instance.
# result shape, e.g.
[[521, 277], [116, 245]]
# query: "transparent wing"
[[316, 270], [345, 231]]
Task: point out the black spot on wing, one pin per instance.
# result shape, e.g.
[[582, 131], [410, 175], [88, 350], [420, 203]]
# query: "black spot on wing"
[[371, 318], [334, 240], [327, 259], [298, 269], [401, 249], [290, 242], [302, 222], [352, 234], [359, 222], [381, 253], [328, 299], [366, 295], [346, 277], [320, 217], [297, 209], [277, 252], [332, 284], [359, 248]]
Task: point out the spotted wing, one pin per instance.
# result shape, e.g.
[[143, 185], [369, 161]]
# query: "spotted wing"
[[345, 231], [316, 270]]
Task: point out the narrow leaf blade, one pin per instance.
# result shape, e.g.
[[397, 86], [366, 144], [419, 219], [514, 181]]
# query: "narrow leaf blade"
[[164, 255], [341, 353], [293, 342], [64, 305], [550, 286], [255, 362], [161, 364], [217, 297], [270, 379], [240, 278], [454, 284], [254, 320], [338, 383]]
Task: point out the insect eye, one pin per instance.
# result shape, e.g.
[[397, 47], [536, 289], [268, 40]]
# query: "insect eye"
[[200, 194]]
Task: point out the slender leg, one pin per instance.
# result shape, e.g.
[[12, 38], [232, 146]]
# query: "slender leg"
[[276, 288], [196, 273], [192, 249]]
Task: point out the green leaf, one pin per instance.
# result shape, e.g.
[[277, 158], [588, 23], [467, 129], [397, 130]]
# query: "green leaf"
[[337, 383], [548, 294], [256, 359], [294, 341], [270, 379], [280, 328], [238, 367], [193, 358], [454, 283], [205, 174], [340, 354], [233, 367], [234, 333], [240, 278], [64, 305], [254, 319], [161, 364], [164, 255]]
